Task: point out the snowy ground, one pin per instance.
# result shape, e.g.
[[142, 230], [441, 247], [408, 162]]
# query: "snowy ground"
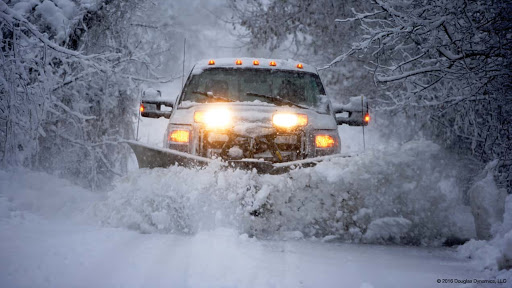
[[54, 234], [39, 253]]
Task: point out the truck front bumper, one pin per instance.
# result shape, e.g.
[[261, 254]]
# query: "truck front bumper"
[[149, 156]]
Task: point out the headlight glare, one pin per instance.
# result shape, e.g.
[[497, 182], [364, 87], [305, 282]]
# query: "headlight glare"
[[218, 118], [289, 120]]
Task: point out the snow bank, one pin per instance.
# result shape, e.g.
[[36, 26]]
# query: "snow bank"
[[23, 191], [487, 202], [493, 217], [494, 255], [411, 194]]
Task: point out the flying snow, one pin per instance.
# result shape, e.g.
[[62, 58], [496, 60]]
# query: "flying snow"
[[411, 194]]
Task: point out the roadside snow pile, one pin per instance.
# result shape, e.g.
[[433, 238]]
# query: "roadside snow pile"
[[411, 194], [494, 255], [487, 202]]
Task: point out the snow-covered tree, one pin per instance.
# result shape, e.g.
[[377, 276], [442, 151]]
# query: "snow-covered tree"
[[446, 64], [70, 77], [452, 64], [45, 124]]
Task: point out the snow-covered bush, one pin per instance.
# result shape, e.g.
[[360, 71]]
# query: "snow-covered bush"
[[411, 194]]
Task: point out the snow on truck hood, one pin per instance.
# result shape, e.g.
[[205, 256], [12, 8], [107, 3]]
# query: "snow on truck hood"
[[252, 112], [264, 63]]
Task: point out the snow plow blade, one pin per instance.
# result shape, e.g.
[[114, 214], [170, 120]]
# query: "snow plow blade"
[[149, 156]]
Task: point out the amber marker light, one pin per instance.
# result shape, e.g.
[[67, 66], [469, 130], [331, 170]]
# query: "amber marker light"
[[238, 62], [302, 119], [324, 141], [180, 136], [300, 66], [273, 63], [367, 118], [199, 117], [289, 120], [211, 62], [256, 62], [141, 109]]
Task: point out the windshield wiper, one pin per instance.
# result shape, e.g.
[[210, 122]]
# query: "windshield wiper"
[[276, 100], [210, 95]]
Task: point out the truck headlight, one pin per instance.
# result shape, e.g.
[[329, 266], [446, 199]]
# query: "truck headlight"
[[289, 120], [217, 118]]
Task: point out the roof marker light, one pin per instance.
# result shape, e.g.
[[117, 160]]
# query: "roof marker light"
[[272, 63], [238, 62], [300, 66], [211, 62], [256, 62]]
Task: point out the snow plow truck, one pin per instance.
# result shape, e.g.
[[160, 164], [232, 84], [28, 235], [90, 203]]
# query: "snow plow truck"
[[263, 114]]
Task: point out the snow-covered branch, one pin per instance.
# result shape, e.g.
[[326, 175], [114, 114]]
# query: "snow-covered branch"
[[360, 16], [151, 80], [10, 16], [408, 74], [339, 58]]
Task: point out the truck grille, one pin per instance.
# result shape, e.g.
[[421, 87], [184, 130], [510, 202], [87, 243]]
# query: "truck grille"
[[218, 144]]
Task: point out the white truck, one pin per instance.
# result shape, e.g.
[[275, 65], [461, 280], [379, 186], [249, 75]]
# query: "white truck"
[[249, 113]]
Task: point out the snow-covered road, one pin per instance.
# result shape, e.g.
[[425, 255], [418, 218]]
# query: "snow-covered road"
[[39, 253], [54, 234]]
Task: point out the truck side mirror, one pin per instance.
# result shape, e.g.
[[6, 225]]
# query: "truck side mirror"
[[355, 113], [151, 105], [151, 93]]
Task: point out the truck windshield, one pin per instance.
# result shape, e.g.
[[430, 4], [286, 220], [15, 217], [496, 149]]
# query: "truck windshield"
[[254, 84]]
